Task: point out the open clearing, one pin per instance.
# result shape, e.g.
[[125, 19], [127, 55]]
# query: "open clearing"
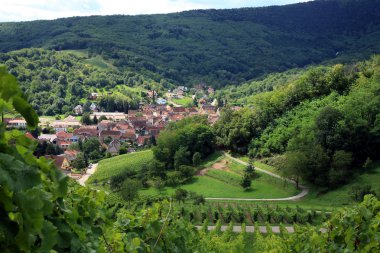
[[222, 180]]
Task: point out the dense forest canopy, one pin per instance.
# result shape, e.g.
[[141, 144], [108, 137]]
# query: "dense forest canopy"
[[217, 47], [323, 121]]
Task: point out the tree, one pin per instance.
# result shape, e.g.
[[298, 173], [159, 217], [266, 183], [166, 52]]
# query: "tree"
[[249, 171], [101, 118], [90, 145], [294, 165], [79, 162], [246, 182], [86, 120], [122, 150], [180, 195], [340, 166], [181, 157], [95, 120], [159, 184], [130, 189], [197, 159]]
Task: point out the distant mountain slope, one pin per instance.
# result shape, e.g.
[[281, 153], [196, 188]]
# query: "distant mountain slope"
[[218, 47]]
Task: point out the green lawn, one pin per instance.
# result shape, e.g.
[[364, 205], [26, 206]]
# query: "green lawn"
[[182, 101], [266, 167], [214, 188], [116, 165], [218, 184], [99, 62], [333, 199]]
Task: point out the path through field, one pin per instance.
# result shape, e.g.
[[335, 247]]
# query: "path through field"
[[89, 172], [302, 194]]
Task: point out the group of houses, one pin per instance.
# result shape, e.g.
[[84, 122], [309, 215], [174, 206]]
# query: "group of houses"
[[137, 128]]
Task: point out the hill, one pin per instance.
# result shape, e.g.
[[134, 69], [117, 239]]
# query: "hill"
[[217, 47], [56, 81]]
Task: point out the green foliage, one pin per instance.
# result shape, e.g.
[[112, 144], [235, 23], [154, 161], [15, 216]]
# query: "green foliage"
[[114, 166], [38, 212], [56, 82], [180, 195], [12, 97], [79, 162], [197, 159], [180, 142], [327, 115], [185, 47], [246, 182], [129, 190]]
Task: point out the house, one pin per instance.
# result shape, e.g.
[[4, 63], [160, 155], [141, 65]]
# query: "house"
[[63, 144], [106, 125], [214, 102], [176, 117], [115, 116], [179, 110], [78, 110], [143, 140], [93, 96], [52, 138], [86, 132], [61, 162], [183, 88], [64, 125], [208, 109], [114, 147], [114, 135], [154, 130], [17, 123], [129, 136], [71, 154], [93, 107], [161, 101], [170, 95]]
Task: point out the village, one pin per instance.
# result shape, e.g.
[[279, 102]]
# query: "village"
[[117, 132]]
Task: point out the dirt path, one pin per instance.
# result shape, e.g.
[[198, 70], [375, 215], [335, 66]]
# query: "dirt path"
[[89, 172], [221, 165], [300, 195]]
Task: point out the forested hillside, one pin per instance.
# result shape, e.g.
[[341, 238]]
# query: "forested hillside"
[[55, 82], [324, 122], [217, 47]]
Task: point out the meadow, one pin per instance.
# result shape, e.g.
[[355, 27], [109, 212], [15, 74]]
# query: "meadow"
[[108, 168]]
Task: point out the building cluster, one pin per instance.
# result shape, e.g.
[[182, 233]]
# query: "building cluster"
[[137, 128]]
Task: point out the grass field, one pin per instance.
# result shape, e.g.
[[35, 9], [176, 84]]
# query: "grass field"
[[116, 165], [333, 199], [183, 101], [221, 183]]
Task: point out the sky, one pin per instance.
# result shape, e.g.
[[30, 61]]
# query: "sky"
[[26, 10]]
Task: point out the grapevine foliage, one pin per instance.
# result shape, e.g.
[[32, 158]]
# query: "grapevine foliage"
[[37, 212]]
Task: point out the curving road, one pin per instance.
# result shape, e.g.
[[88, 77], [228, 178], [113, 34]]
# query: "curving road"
[[300, 195]]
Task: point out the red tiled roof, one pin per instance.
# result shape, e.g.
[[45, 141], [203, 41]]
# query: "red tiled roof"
[[30, 136], [110, 132], [63, 135]]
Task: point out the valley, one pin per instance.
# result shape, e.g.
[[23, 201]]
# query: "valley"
[[217, 130]]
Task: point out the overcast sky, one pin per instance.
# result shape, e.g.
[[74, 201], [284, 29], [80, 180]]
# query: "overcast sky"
[[24, 10]]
